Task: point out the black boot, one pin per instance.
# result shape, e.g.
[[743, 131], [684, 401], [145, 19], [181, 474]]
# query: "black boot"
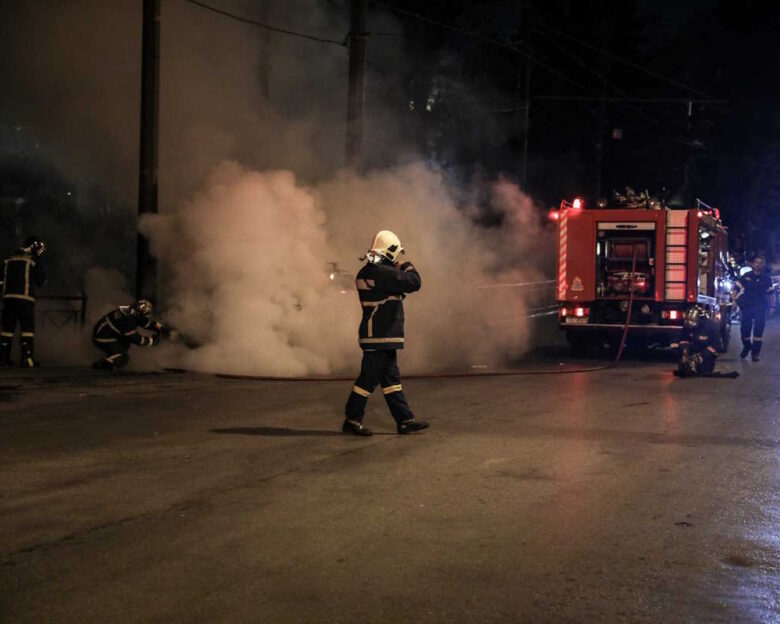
[[28, 361], [5, 354], [356, 428], [745, 350], [411, 426], [104, 364]]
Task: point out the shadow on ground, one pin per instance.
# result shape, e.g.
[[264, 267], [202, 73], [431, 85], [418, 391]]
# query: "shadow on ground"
[[277, 432], [282, 432]]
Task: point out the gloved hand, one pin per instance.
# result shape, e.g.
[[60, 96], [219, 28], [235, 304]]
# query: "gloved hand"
[[166, 333]]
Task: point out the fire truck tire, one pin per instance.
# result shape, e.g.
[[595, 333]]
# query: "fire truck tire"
[[608, 347], [578, 343]]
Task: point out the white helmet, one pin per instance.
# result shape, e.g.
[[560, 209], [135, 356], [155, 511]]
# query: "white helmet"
[[386, 245]]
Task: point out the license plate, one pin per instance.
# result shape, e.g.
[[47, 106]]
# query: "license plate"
[[576, 320]]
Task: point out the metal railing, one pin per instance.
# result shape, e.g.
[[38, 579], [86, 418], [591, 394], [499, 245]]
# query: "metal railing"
[[61, 315], [539, 294]]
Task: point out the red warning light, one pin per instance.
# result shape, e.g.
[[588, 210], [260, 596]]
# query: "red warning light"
[[554, 215]]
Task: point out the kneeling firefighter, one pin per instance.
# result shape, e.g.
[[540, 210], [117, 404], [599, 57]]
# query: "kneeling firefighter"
[[21, 273], [382, 286], [116, 331], [699, 346]]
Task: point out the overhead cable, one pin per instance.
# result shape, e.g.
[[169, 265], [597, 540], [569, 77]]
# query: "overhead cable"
[[276, 29]]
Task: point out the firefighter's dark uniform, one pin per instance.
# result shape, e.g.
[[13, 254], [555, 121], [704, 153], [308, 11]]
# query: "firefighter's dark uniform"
[[703, 340], [116, 331], [382, 288], [21, 274], [753, 302]]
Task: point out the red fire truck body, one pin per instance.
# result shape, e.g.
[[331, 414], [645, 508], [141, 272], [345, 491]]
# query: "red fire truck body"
[[678, 263]]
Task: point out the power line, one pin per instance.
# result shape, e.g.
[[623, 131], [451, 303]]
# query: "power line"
[[620, 59], [621, 102], [276, 29], [663, 137], [534, 58], [580, 98], [490, 40]]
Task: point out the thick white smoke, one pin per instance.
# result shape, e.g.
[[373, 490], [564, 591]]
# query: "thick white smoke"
[[249, 260], [245, 260]]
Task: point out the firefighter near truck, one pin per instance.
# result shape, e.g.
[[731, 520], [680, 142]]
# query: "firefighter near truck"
[[642, 259]]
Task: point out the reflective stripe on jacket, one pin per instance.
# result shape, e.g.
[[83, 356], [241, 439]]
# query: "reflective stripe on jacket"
[[121, 325], [382, 288], [705, 338], [754, 290], [21, 274]]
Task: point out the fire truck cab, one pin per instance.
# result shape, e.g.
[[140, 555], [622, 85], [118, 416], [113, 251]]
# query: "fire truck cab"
[[677, 258]]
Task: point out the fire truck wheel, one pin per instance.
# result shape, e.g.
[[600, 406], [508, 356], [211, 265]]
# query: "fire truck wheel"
[[579, 344], [608, 348]]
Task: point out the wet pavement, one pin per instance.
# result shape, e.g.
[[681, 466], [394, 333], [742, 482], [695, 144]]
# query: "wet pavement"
[[617, 496]]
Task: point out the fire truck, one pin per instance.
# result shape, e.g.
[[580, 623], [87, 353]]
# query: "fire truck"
[[639, 255]]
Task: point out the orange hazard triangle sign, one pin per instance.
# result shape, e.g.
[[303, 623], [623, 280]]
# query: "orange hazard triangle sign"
[[576, 284]]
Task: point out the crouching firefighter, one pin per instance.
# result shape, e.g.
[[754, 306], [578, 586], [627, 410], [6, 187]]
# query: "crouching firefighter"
[[382, 285], [22, 272], [116, 331], [699, 346]]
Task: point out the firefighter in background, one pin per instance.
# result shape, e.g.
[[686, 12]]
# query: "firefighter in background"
[[753, 291], [699, 346], [116, 331], [22, 272], [382, 286]]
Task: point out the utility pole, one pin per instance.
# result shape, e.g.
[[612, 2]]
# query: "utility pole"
[[526, 34], [690, 159], [356, 91], [265, 52], [602, 130], [526, 122], [146, 267], [602, 127]]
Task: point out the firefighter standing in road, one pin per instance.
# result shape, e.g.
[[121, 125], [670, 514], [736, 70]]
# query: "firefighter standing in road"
[[382, 285], [116, 331], [753, 290], [699, 344], [22, 272]]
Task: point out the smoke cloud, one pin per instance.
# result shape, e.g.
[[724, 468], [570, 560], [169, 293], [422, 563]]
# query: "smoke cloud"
[[254, 206], [250, 260]]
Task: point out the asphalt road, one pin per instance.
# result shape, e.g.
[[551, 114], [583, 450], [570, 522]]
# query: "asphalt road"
[[616, 496]]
